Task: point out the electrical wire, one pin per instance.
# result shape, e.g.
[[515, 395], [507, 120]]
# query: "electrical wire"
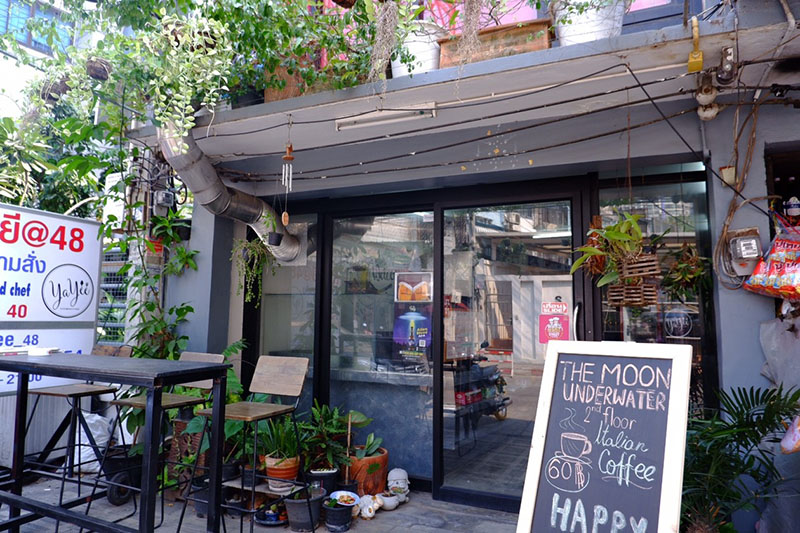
[[498, 156], [691, 149], [454, 106], [482, 137]]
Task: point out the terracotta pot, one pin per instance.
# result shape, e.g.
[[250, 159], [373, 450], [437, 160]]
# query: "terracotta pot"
[[374, 482], [281, 469]]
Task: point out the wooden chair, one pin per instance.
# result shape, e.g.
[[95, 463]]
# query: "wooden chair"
[[275, 376]]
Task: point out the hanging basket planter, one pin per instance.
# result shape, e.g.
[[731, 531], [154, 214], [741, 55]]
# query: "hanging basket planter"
[[98, 68], [644, 266], [640, 295], [347, 4]]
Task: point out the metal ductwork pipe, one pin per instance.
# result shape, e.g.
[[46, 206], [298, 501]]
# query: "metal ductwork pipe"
[[199, 175]]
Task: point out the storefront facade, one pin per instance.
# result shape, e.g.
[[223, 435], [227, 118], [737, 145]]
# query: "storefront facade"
[[412, 269]]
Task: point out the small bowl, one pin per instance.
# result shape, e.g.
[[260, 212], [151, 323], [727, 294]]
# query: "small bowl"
[[338, 493]]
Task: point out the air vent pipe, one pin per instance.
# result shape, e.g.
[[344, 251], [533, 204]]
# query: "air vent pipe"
[[199, 175]]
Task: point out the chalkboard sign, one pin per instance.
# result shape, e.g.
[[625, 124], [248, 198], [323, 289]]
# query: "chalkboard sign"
[[608, 442]]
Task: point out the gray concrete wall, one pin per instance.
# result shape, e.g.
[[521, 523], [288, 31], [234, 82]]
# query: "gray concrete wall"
[[208, 289]]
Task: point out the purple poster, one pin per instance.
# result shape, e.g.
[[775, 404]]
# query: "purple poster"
[[411, 338]]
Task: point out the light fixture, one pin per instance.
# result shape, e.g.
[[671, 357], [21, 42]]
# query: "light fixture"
[[390, 116]]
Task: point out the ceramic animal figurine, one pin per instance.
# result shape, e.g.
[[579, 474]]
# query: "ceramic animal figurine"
[[398, 484]]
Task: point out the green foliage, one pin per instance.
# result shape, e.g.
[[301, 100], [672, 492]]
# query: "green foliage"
[[618, 242], [279, 439], [729, 464], [250, 258], [370, 448], [565, 11], [23, 154], [687, 274]]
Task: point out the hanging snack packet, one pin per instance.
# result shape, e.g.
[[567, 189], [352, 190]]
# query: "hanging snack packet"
[[777, 274]]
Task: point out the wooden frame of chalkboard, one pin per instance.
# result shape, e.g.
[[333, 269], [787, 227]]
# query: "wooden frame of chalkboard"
[[608, 468]]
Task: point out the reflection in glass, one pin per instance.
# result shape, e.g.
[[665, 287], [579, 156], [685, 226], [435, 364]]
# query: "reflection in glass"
[[507, 291], [680, 209], [287, 304], [381, 319]]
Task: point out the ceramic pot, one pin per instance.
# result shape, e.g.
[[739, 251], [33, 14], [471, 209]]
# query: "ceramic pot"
[[337, 519], [281, 469], [390, 501], [593, 24], [374, 482], [422, 43], [299, 519]]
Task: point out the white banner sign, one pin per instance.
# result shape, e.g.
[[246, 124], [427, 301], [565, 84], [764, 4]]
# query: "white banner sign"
[[49, 279]]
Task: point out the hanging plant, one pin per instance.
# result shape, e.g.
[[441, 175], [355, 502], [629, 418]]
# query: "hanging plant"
[[469, 43], [386, 22], [250, 258], [618, 254], [187, 61], [685, 276]]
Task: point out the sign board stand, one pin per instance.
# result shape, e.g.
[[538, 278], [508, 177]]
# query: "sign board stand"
[[608, 443]]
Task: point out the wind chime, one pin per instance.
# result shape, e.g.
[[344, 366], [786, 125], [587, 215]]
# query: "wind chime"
[[286, 174]]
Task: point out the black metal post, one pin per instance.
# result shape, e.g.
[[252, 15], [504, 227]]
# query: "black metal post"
[[18, 458], [150, 463], [215, 468]]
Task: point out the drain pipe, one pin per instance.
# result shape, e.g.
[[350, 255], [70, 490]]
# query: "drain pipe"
[[199, 175]]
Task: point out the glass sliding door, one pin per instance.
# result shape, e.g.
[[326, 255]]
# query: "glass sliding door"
[[381, 326], [507, 293]]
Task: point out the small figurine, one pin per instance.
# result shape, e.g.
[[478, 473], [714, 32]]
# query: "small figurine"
[[398, 484], [368, 507], [791, 440]]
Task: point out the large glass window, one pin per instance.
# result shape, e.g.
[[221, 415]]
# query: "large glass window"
[[381, 319], [287, 304], [507, 292], [680, 210]]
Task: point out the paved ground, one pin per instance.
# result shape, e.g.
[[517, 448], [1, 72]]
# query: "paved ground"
[[420, 515]]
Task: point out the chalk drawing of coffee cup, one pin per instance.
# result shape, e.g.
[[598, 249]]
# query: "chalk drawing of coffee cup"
[[575, 445]]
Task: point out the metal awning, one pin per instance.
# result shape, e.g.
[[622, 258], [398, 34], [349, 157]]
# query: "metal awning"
[[245, 144]]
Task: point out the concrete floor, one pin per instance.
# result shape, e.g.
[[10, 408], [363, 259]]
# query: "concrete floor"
[[421, 515]]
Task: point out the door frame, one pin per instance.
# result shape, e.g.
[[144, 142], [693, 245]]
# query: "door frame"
[[579, 191]]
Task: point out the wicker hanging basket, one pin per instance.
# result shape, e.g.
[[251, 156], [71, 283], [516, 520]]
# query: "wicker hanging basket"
[[640, 295], [643, 266]]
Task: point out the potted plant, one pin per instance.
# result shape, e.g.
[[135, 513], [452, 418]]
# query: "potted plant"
[[727, 466], [297, 509], [185, 62], [250, 258], [370, 465], [325, 448], [418, 38], [685, 275], [581, 21], [282, 453], [626, 262], [338, 515]]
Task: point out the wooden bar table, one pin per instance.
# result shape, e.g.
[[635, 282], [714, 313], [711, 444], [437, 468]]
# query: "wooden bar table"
[[151, 374]]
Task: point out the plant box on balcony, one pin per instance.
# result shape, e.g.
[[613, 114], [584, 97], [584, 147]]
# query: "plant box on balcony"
[[500, 41]]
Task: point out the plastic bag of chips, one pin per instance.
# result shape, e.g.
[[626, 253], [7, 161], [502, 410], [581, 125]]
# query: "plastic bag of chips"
[[777, 274]]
